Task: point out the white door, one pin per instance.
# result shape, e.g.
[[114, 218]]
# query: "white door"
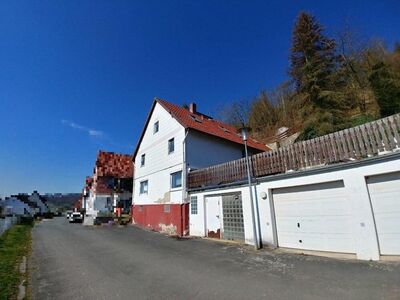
[[213, 223], [384, 192], [314, 217]]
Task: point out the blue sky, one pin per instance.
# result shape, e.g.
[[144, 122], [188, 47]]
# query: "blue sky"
[[79, 76]]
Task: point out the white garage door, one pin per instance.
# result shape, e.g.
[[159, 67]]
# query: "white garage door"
[[314, 217], [384, 192]]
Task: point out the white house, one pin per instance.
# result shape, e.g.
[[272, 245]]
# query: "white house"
[[111, 184], [86, 192], [175, 139]]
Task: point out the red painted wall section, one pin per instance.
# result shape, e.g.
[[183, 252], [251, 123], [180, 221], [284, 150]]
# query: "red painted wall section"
[[169, 218]]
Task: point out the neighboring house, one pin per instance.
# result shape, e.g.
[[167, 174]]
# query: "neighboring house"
[[86, 192], [15, 206], [175, 139], [40, 201], [25, 198], [111, 185]]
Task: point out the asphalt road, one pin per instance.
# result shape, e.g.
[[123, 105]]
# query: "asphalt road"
[[70, 261]]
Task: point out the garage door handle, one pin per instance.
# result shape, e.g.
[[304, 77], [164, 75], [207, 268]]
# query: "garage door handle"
[[298, 225]]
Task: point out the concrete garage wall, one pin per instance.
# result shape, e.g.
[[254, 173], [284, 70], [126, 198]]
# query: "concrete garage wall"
[[354, 177]]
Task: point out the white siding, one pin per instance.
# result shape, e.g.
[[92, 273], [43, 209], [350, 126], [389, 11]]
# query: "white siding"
[[159, 164]]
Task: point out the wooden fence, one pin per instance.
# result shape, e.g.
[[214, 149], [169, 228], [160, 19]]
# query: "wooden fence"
[[355, 143]]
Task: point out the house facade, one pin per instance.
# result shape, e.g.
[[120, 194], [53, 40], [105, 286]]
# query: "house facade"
[[174, 140], [86, 192], [111, 184]]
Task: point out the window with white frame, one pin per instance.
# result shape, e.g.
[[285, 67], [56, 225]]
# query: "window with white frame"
[[193, 205], [142, 160], [176, 179], [144, 187], [156, 127], [171, 145]]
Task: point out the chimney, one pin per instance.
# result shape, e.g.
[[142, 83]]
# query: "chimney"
[[192, 108]]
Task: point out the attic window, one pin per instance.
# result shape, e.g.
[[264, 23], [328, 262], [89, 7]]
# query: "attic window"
[[224, 129], [194, 118], [156, 127]]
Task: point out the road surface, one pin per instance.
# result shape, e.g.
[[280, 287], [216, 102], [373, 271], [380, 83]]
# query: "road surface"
[[71, 261]]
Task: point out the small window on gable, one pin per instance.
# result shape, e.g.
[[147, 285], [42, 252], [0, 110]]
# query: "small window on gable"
[[142, 160], [156, 127], [171, 145], [193, 205], [144, 187]]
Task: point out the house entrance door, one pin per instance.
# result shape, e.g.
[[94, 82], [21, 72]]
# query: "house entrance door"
[[213, 210]]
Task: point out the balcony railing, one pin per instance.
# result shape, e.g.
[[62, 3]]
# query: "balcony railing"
[[355, 143]]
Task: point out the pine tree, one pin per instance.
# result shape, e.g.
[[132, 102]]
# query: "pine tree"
[[313, 60], [386, 86]]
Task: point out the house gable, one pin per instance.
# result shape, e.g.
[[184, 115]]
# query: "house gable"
[[154, 145]]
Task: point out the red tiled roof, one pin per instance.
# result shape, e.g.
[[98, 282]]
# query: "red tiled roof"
[[208, 125], [114, 165], [202, 123]]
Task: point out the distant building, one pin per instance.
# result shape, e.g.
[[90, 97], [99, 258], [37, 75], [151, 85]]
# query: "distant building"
[[15, 206], [86, 193], [40, 201], [111, 184]]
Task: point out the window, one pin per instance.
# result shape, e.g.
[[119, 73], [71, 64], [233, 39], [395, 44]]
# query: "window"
[[143, 160], [144, 187], [156, 127], [167, 208], [176, 179], [193, 205], [171, 145]]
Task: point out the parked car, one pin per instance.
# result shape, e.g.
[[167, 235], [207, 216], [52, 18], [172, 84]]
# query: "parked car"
[[76, 217], [68, 214]]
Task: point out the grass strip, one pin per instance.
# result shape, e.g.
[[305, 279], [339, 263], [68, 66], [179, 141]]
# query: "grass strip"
[[14, 244]]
